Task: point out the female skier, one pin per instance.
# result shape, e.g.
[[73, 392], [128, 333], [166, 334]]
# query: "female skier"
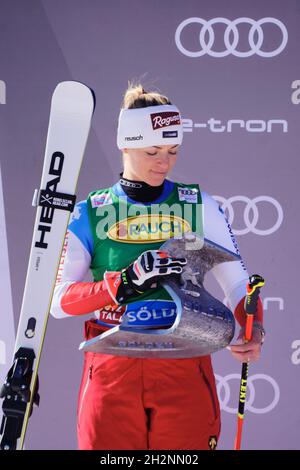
[[144, 403]]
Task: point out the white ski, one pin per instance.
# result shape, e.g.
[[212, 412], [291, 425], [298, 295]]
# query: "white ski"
[[71, 112]]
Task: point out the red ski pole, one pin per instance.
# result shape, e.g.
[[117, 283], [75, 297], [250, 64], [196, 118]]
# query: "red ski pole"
[[253, 289]]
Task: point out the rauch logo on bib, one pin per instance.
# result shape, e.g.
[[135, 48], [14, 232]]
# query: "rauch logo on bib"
[[148, 229]]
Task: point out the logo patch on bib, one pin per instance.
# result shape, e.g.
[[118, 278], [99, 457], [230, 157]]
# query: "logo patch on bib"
[[188, 195], [148, 229], [101, 200]]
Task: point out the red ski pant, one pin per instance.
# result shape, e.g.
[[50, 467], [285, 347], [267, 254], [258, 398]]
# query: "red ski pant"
[[132, 403]]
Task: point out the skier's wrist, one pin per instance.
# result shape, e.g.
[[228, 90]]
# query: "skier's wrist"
[[258, 326], [128, 284], [119, 286], [112, 280]]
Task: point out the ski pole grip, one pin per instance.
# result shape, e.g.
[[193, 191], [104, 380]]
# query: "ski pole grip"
[[253, 290]]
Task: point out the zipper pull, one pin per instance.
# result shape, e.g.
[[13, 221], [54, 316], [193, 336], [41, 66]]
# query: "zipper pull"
[[90, 371]]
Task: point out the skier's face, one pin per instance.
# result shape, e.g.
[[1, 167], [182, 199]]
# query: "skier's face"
[[149, 164]]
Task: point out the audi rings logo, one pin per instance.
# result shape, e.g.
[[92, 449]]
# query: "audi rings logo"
[[270, 386], [231, 37], [251, 206]]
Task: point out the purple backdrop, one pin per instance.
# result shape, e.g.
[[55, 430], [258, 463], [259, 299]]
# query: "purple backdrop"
[[237, 88]]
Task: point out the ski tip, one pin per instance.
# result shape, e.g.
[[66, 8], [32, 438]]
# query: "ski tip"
[[75, 89], [90, 90]]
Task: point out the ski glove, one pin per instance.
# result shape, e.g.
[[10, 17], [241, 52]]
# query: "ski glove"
[[146, 272]]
